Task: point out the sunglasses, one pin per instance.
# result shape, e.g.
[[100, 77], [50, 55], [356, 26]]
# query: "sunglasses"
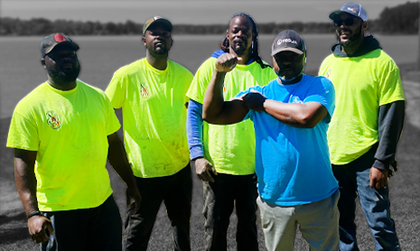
[[347, 22]]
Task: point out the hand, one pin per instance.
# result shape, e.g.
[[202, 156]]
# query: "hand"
[[254, 100], [202, 168], [37, 226], [133, 200], [226, 62], [378, 177]]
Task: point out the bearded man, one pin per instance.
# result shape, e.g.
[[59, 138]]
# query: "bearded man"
[[62, 133], [366, 126], [151, 93]]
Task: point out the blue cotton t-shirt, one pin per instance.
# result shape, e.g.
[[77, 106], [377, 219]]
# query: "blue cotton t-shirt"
[[293, 164]]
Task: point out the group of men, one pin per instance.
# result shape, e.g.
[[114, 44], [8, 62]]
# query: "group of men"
[[298, 147]]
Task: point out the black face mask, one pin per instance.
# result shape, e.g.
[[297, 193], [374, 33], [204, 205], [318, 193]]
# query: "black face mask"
[[297, 76]]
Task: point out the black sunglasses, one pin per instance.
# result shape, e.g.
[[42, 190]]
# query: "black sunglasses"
[[347, 22]]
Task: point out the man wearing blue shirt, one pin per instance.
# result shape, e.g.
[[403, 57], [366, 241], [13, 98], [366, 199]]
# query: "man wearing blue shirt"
[[291, 116]]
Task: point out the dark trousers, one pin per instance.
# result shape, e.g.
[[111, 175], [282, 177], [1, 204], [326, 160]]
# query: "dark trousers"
[[220, 197], [176, 192], [353, 180], [97, 228]]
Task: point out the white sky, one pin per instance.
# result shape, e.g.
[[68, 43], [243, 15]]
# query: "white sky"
[[185, 11]]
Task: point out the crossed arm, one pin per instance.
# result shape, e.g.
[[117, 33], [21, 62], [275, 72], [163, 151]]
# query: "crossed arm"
[[218, 111]]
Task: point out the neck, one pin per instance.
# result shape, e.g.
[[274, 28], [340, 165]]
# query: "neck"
[[62, 86], [159, 62], [246, 56], [290, 81]]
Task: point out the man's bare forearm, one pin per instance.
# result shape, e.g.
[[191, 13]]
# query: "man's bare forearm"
[[25, 180]]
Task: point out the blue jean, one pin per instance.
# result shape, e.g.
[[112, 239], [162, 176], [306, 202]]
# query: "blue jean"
[[220, 198], [353, 180], [176, 192]]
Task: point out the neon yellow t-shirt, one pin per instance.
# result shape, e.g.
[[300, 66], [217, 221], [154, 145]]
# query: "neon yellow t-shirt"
[[154, 116], [362, 84], [230, 148], [69, 131]]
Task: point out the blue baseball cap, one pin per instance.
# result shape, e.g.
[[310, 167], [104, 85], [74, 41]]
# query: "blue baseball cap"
[[352, 9]]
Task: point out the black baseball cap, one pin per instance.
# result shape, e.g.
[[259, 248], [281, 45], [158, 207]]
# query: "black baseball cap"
[[155, 20], [51, 41], [288, 40]]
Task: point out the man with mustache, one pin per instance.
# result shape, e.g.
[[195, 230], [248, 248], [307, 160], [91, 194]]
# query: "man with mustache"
[[224, 155], [151, 92], [366, 126], [291, 116], [62, 134]]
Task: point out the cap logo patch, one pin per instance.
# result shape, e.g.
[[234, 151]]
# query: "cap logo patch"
[[351, 9], [286, 40], [59, 38]]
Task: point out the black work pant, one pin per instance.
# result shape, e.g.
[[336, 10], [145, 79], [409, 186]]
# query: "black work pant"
[[176, 192], [97, 228], [220, 197]]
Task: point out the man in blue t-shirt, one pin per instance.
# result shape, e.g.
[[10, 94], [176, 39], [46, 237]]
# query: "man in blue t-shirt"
[[291, 115]]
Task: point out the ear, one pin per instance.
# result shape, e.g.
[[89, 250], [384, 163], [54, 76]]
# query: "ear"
[[143, 39], [43, 62], [364, 26]]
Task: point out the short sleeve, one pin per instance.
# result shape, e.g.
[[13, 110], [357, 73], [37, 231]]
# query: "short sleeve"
[[391, 87], [23, 133], [112, 124], [322, 92], [201, 80], [116, 91]]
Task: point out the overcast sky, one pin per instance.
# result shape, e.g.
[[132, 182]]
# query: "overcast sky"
[[185, 11]]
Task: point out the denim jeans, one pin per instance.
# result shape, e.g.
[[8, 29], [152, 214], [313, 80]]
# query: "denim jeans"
[[176, 192], [353, 180], [220, 197], [97, 228]]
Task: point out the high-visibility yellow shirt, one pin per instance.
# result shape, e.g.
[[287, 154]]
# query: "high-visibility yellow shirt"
[[230, 148], [154, 112], [69, 130], [362, 84]]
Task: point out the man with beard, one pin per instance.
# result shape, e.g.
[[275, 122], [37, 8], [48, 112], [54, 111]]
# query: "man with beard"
[[290, 116], [224, 155], [62, 134], [365, 128], [151, 92]]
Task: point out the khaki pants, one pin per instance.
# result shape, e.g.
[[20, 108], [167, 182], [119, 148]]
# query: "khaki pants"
[[318, 224]]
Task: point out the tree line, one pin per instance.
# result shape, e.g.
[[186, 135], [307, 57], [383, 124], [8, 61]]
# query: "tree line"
[[401, 19]]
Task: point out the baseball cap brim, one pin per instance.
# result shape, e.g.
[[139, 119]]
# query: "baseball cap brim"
[[159, 20], [278, 50], [72, 45], [334, 15]]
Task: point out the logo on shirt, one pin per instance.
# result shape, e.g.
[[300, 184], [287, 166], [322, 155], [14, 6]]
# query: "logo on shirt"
[[53, 120], [297, 100], [328, 74], [144, 91]]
